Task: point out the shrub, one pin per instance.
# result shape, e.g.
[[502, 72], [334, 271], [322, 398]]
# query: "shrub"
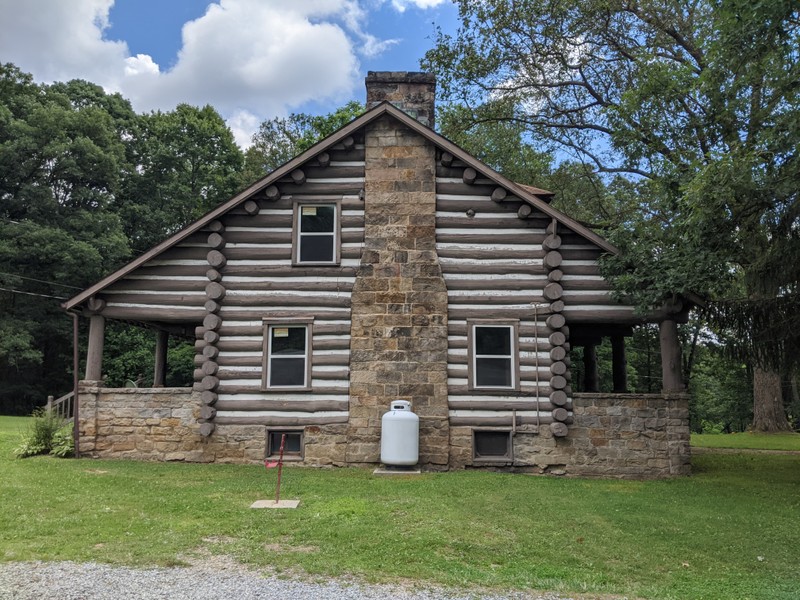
[[63, 442], [42, 434]]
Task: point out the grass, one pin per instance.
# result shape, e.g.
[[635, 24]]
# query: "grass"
[[730, 531], [755, 441]]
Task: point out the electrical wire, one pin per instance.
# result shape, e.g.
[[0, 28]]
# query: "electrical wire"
[[2, 289], [41, 281]]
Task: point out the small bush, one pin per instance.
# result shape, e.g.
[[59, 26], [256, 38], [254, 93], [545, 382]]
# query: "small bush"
[[42, 435], [63, 442]]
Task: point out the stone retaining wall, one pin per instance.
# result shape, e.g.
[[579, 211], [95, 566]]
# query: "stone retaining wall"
[[158, 424], [612, 435], [635, 436]]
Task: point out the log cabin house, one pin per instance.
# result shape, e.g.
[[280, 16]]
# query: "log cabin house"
[[384, 263]]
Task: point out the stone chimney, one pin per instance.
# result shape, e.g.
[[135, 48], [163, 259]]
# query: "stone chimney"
[[398, 335], [412, 92]]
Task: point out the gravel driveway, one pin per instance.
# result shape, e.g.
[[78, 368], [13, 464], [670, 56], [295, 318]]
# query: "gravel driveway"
[[92, 581]]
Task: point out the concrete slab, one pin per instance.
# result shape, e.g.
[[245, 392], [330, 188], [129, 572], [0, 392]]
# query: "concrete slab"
[[273, 504], [384, 471]]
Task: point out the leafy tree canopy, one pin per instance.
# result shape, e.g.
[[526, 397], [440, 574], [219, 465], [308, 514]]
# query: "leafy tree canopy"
[[185, 162], [694, 103], [280, 139]]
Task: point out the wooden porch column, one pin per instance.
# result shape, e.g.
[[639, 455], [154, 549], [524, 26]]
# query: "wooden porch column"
[[619, 364], [671, 367], [160, 370], [94, 353], [591, 378]]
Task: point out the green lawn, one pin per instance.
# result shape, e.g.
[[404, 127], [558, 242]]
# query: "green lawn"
[[730, 531], [756, 441]]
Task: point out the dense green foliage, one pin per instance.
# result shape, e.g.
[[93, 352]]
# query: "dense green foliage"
[[691, 110], [85, 183], [696, 102], [280, 139], [186, 162], [47, 433], [729, 531], [785, 442], [62, 163]]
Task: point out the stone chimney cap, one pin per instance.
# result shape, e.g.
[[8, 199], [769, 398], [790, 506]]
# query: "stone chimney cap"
[[411, 91], [399, 77]]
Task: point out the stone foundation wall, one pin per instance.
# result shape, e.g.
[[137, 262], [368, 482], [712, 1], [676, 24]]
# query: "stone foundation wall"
[[635, 436], [160, 424], [612, 435]]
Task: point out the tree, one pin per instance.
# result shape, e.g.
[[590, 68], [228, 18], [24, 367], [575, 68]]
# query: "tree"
[[280, 139], [186, 162], [60, 164], [507, 147], [695, 104]]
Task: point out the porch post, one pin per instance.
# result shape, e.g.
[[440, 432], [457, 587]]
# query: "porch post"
[[671, 368], [160, 370], [94, 353], [591, 378], [619, 364]]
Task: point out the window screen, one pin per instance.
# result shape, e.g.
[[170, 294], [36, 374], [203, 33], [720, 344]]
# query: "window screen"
[[492, 444], [493, 365], [292, 447], [288, 356], [316, 233]]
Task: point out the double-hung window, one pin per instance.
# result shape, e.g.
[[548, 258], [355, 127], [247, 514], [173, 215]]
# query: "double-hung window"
[[316, 233], [287, 355], [493, 355]]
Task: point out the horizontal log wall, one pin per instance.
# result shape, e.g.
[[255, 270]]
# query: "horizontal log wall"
[[499, 257], [260, 282], [587, 295], [169, 288], [492, 262]]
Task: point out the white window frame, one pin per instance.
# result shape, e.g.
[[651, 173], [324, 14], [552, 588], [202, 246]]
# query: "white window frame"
[[267, 366], [512, 356], [298, 235]]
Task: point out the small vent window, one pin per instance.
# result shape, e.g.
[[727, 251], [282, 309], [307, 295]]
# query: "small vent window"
[[492, 445], [293, 447]]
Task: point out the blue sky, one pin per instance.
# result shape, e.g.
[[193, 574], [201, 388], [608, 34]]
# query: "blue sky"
[[250, 59]]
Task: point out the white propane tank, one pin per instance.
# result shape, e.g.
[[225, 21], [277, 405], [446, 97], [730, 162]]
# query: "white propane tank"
[[400, 435]]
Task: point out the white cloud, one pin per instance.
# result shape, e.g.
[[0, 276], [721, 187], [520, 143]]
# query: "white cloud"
[[402, 5], [58, 40], [243, 124], [141, 64], [250, 59]]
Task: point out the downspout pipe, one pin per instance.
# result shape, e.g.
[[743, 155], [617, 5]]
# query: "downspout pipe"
[[76, 403]]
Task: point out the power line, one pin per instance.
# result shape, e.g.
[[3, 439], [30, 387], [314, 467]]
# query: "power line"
[[41, 281], [2, 289]]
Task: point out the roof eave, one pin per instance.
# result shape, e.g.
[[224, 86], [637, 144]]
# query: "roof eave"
[[220, 210]]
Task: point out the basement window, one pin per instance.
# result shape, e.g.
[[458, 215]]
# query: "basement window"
[[292, 448], [491, 446], [316, 234]]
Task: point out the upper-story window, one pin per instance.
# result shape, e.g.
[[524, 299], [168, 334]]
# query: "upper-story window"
[[494, 358], [316, 233]]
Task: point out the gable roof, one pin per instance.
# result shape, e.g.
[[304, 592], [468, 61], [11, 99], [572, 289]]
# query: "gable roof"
[[537, 198]]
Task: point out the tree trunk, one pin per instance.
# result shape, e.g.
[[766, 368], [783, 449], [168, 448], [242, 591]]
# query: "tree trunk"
[[768, 413]]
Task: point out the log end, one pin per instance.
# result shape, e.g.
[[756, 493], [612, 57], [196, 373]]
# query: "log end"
[[559, 429]]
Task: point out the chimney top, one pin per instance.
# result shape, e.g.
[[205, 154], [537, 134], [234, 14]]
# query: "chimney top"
[[411, 91]]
